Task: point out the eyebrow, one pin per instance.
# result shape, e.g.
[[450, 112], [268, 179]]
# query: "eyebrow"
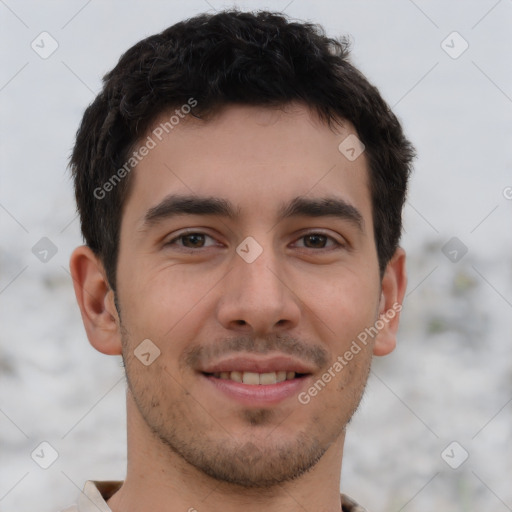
[[323, 207], [174, 205]]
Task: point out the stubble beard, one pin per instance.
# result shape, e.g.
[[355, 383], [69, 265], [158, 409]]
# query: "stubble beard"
[[250, 463]]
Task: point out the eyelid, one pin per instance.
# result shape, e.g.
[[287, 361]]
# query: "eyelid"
[[300, 236], [190, 231], [338, 243]]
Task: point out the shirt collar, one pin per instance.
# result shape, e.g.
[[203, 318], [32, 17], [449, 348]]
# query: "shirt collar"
[[95, 493]]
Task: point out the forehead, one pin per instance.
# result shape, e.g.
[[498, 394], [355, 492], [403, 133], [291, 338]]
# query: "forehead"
[[254, 157]]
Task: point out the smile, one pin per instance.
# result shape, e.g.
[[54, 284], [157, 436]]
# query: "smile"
[[253, 378]]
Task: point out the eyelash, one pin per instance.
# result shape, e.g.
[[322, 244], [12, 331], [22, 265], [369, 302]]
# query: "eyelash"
[[337, 244]]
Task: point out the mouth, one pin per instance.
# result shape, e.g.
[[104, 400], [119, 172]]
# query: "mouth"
[[257, 379], [254, 381], [254, 389]]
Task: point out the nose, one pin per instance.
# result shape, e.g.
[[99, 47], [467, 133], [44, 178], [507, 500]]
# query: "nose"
[[256, 297]]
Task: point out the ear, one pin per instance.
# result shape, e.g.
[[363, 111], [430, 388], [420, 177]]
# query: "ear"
[[96, 301], [394, 283]]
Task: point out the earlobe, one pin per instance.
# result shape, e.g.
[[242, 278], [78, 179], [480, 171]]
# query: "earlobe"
[[394, 283], [96, 301]]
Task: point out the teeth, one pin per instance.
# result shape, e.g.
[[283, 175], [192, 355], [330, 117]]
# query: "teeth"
[[237, 376], [268, 378], [250, 378], [281, 376], [253, 378]]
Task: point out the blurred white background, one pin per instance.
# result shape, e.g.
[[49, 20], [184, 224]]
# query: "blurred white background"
[[450, 379]]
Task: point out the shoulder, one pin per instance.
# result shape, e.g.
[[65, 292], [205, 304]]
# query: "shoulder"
[[94, 496], [349, 505]]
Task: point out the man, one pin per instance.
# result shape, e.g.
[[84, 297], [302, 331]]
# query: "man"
[[240, 187]]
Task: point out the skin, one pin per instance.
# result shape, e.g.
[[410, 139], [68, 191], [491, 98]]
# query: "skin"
[[190, 445]]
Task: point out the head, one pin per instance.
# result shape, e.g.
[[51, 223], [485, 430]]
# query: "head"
[[223, 217]]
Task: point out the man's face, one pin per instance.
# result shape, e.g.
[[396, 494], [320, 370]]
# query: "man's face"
[[246, 251]]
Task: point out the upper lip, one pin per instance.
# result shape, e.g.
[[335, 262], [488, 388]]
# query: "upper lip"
[[250, 363]]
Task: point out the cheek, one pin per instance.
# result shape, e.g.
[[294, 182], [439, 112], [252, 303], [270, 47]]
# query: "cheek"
[[345, 302], [154, 294], [155, 390], [163, 303]]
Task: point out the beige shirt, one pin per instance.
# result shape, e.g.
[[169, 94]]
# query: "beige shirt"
[[94, 496]]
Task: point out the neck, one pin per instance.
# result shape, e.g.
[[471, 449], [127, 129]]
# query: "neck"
[[158, 479]]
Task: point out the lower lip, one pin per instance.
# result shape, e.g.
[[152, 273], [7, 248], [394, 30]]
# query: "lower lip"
[[258, 394]]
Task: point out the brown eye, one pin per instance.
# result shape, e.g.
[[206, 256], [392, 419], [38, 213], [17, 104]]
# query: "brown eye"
[[318, 241], [315, 241], [193, 240]]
